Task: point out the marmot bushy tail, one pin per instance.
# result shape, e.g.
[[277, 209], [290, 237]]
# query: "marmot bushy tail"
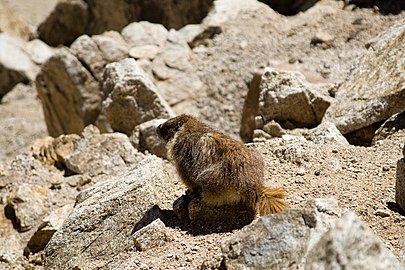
[[219, 169], [271, 200]]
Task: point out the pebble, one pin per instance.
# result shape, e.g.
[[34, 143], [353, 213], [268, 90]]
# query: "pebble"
[[381, 213], [301, 171]]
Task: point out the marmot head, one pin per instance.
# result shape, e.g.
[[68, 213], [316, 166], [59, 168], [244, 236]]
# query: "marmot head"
[[168, 129]]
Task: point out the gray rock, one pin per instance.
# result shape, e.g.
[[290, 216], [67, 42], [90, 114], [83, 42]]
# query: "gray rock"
[[96, 153], [39, 51], [390, 126], [70, 95], [145, 33], [145, 138], [284, 97], [10, 248], [112, 46], [282, 240], [350, 244], [27, 202], [375, 89], [104, 216], [50, 224], [15, 64], [326, 133], [87, 51], [66, 22], [400, 183], [131, 97], [150, 236], [174, 75]]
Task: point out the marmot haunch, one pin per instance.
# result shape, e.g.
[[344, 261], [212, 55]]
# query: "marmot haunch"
[[220, 169]]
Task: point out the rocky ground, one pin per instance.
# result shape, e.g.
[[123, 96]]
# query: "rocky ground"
[[107, 202]]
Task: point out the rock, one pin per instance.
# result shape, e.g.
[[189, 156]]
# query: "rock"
[[274, 241], [323, 38], [199, 34], [390, 126], [144, 51], [67, 21], [400, 183], [350, 244], [281, 240], [174, 75], [374, 90], [38, 51], [15, 64], [70, 96], [112, 46], [87, 52], [145, 138], [274, 129], [50, 224], [10, 248], [96, 153], [144, 33], [284, 97], [150, 236], [26, 205], [326, 133], [12, 23], [131, 97], [290, 7], [104, 216]]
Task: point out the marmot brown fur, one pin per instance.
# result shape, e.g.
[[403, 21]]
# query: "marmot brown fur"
[[220, 169]]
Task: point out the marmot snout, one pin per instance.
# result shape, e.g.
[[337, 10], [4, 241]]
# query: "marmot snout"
[[219, 168]]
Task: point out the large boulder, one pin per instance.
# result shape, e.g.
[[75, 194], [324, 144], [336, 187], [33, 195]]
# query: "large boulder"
[[350, 244], [285, 97], [70, 95], [105, 215], [282, 240], [131, 97], [375, 88]]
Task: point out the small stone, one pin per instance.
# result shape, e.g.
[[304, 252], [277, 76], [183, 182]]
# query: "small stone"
[[386, 168], [144, 51], [381, 213], [301, 171], [152, 235]]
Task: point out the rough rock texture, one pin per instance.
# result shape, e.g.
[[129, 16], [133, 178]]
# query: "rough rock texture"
[[325, 133], [392, 125], [131, 97], [145, 138], [15, 64], [101, 223], [150, 236], [112, 45], [66, 22], [50, 224], [350, 244], [70, 95], [27, 204], [87, 51], [282, 240], [284, 97], [90, 154], [375, 88], [10, 248], [400, 182], [77, 17]]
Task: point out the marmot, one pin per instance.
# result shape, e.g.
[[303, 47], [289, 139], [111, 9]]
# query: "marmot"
[[220, 169]]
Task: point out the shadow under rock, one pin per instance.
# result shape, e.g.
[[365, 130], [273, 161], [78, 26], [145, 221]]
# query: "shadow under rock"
[[393, 206], [201, 220]]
